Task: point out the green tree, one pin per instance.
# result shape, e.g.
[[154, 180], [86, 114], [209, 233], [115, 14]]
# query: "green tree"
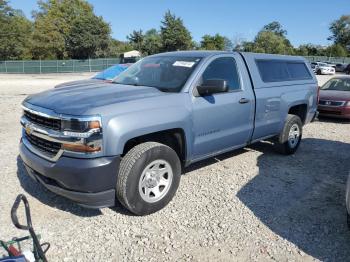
[[174, 35], [88, 37], [14, 34], [341, 31], [269, 42], [336, 50], [275, 27], [228, 44], [136, 38], [216, 42], [152, 43], [58, 22], [116, 47], [271, 39], [245, 46], [308, 50]]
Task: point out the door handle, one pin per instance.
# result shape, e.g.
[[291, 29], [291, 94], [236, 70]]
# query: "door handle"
[[243, 100]]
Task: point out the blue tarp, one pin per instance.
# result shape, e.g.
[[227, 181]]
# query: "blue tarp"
[[111, 72]]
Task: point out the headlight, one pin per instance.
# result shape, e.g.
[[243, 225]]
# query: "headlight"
[[76, 125], [87, 131]]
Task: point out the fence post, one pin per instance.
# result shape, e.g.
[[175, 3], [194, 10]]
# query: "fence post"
[[5, 67], [23, 66], [40, 65], [73, 66], [89, 65]]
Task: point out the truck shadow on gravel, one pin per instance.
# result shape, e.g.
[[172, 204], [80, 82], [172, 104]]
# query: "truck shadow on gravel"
[[46, 197], [302, 197]]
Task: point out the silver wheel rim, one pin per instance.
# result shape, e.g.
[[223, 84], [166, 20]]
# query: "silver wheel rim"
[[294, 135], [155, 181]]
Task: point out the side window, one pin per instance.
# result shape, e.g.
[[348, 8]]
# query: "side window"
[[273, 71], [280, 70], [298, 71], [223, 68]]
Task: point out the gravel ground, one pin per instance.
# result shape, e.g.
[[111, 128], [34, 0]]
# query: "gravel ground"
[[248, 205]]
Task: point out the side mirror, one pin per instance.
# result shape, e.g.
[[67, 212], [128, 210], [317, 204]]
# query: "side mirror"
[[212, 86]]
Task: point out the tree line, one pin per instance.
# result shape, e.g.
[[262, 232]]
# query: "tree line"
[[63, 29]]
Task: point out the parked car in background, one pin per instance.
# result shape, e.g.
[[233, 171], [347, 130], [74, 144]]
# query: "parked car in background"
[[347, 70], [106, 75], [129, 140], [340, 67], [335, 98], [323, 68], [111, 72], [313, 67], [331, 64]]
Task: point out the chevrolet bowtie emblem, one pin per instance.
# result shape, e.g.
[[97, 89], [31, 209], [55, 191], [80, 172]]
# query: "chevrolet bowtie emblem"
[[28, 130]]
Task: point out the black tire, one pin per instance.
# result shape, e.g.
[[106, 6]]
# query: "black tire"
[[282, 144], [348, 219], [131, 168], [319, 72]]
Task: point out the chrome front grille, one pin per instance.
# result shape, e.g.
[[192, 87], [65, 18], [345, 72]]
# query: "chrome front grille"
[[331, 103], [43, 145], [44, 135], [47, 122]]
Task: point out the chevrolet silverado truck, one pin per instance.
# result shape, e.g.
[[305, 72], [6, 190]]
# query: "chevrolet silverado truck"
[[130, 140]]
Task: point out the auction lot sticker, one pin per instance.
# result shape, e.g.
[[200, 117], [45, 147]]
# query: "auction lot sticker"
[[183, 63]]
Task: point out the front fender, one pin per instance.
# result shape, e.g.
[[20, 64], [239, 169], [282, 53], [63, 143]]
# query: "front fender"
[[124, 127]]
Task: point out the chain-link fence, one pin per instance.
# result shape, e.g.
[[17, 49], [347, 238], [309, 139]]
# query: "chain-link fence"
[[336, 60], [95, 65], [56, 66]]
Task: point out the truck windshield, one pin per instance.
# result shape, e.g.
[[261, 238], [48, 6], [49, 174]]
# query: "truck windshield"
[[166, 73]]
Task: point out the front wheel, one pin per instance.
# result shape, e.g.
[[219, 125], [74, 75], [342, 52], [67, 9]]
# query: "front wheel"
[[289, 139], [148, 178]]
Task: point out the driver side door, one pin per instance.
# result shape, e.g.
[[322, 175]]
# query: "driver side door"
[[223, 121]]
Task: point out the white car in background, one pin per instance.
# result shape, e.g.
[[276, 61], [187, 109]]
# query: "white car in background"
[[323, 68]]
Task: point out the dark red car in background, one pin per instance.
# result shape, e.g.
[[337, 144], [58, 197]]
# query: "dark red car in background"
[[335, 98]]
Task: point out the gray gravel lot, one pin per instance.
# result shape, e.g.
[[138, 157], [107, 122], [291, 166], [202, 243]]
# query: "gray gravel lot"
[[248, 205]]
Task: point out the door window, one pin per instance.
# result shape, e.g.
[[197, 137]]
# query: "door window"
[[223, 68]]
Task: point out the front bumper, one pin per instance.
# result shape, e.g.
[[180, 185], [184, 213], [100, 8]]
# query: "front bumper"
[[326, 72], [336, 112], [89, 182]]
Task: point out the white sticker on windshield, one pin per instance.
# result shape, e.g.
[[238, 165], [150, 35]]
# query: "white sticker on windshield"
[[183, 63]]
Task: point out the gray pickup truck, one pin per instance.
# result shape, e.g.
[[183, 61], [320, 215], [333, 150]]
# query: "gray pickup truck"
[[130, 140]]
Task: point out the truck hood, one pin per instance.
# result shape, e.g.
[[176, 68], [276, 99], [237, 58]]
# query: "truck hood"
[[335, 95], [77, 99], [77, 83]]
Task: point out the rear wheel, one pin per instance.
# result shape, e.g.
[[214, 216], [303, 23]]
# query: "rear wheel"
[[148, 178], [289, 139]]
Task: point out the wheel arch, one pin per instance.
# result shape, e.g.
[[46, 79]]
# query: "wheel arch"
[[299, 110], [175, 138]]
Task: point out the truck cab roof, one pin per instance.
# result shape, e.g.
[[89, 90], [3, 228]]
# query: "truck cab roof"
[[208, 53]]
